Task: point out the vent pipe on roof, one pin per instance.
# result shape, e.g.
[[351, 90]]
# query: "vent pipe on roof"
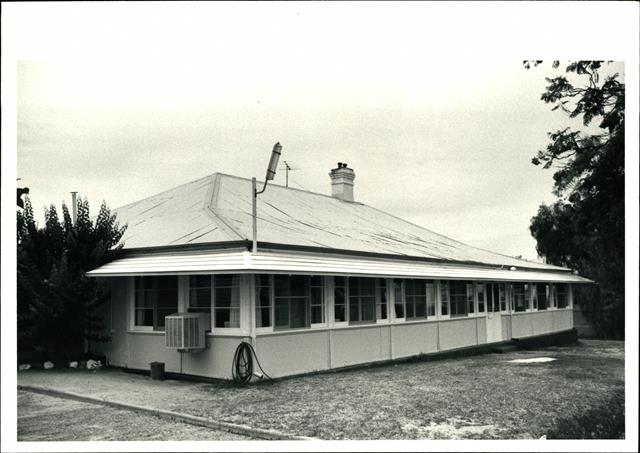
[[342, 182], [74, 208]]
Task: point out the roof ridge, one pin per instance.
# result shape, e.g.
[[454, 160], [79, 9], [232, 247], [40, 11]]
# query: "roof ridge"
[[210, 203], [292, 188], [163, 192]]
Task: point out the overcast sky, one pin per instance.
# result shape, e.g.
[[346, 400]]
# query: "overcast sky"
[[442, 138]]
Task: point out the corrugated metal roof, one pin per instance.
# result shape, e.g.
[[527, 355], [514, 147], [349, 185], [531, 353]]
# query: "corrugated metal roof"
[[314, 264], [217, 208]]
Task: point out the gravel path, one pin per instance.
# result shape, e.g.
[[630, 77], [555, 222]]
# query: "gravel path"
[[47, 418]]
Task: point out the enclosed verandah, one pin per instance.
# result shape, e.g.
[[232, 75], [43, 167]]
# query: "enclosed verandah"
[[308, 312]]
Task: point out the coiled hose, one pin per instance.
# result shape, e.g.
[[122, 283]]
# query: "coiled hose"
[[242, 366]]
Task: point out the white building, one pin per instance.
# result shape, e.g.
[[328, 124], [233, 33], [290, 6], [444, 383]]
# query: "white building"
[[334, 283]]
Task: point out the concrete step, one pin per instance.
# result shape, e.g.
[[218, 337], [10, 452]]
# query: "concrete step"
[[504, 348]]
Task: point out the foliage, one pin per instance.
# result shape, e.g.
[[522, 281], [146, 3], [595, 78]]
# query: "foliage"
[[57, 302], [584, 228]]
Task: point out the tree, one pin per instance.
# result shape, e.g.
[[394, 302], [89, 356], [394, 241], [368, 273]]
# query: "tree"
[[584, 228], [57, 303]]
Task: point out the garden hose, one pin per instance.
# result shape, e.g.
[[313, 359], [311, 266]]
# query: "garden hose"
[[242, 367]]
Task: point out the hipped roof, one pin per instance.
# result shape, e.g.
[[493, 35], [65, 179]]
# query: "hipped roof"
[[217, 209]]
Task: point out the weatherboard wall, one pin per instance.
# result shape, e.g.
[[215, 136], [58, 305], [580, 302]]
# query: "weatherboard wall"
[[284, 353]]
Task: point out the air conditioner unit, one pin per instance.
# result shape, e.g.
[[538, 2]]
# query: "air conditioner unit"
[[186, 331]]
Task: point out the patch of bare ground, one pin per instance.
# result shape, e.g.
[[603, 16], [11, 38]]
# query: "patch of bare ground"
[[463, 398], [47, 418]]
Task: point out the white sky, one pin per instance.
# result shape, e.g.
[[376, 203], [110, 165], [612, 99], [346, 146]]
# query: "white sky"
[[428, 102], [442, 139]]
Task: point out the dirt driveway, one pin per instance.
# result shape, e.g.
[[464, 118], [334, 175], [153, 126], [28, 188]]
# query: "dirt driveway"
[[47, 418]]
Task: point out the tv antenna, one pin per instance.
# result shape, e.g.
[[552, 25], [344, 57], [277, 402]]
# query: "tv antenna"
[[287, 167]]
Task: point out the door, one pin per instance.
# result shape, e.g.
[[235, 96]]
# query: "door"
[[495, 292]]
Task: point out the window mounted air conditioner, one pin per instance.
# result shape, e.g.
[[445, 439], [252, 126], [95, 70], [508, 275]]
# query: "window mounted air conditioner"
[[186, 331]]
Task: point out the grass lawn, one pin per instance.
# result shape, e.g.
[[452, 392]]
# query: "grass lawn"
[[479, 397]]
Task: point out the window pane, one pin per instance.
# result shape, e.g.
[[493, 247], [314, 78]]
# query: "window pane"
[[339, 313], [169, 282], [168, 299], [480, 289], [223, 297], [144, 299], [224, 280], [299, 285], [368, 309], [144, 282], [421, 308], [381, 311], [562, 295], [299, 312], [316, 296], [199, 281], [399, 302], [264, 296], [518, 297], [144, 317], [316, 314], [431, 299], [227, 317], [542, 292], [282, 312], [353, 311], [409, 307], [470, 301], [263, 317], [444, 298], [162, 314]]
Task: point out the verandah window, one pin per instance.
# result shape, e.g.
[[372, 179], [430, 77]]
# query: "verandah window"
[[340, 299], [496, 297], [520, 296], [155, 298], [480, 289], [263, 300], [222, 292], [541, 296], [414, 298], [362, 299], [562, 295], [298, 301], [461, 296], [444, 298], [359, 299]]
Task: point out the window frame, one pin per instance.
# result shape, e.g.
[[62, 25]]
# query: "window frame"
[[566, 293], [213, 310], [477, 285], [360, 296], [324, 287], [154, 291], [256, 287], [440, 299], [344, 304], [465, 303]]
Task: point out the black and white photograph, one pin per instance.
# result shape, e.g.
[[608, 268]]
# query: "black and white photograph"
[[340, 226]]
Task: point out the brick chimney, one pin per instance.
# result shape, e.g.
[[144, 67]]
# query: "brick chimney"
[[342, 182]]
